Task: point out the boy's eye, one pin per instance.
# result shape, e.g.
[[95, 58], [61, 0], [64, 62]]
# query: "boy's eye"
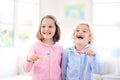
[[84, 31], [77, 30]]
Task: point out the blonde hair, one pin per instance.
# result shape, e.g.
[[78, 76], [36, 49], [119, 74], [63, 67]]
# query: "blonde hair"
[[56, 37], [91, 35]]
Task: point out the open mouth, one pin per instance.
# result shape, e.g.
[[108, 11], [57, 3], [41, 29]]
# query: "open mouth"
[[47, 33], [80, 37]]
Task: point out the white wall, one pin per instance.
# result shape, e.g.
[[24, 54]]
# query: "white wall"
[[8, 62], [106, 40]]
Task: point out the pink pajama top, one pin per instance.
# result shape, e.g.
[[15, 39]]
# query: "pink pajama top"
[[48, 68]]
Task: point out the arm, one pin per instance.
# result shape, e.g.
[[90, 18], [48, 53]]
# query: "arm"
[[96, 64], [28, 64]]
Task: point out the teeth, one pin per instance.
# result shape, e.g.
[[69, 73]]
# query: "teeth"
[[80, 37], [47, 33]]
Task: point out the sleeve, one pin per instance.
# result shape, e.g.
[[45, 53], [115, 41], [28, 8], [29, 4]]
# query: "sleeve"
[[64, 64], [96, 63], [27, 66]]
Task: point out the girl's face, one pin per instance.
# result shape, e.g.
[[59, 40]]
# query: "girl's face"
[[48, 28], [82, 35]]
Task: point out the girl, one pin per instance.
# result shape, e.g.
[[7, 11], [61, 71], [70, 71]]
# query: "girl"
[[45, 55], [76, 64]]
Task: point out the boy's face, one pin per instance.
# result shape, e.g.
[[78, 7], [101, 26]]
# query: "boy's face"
[[82, 35]]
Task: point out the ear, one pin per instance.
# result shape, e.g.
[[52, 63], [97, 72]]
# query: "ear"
[[90, 39]]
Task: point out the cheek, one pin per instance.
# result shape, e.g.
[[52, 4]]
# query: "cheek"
[[53, 31], [74, 38], [74, 35], [90, 37], [41, 30]]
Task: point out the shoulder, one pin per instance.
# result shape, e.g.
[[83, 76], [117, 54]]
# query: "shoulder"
[[68, 50], [94, 49], [36, 44], [60, 47], [90, 46]]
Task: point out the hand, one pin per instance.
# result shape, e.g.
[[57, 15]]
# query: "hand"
[[32, 58], [89, 52]]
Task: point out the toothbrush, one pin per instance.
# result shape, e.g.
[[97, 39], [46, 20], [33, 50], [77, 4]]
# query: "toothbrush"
[[46, 55], [81, 52]]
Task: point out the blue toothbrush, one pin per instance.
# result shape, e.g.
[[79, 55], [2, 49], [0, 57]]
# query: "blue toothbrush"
[[46, 55]]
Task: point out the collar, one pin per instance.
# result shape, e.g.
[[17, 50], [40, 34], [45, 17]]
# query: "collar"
[[72, 49], [54, 45]]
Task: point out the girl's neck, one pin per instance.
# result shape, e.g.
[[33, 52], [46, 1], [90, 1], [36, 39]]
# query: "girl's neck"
[[49, 42]]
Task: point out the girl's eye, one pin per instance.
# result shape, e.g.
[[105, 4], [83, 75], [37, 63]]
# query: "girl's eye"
[[43, 26], [50, 26]]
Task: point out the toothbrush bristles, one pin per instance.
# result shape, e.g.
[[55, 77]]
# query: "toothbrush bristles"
[[48, 54]]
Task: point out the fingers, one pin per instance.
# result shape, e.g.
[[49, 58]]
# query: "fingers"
[[90, 54], [32, 58], [41, 57]]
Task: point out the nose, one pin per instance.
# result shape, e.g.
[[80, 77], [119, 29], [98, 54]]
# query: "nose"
[[46, 28], [80, 32]]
